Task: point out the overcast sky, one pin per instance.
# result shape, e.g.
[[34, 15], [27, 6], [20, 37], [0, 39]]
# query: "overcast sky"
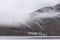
[[42, 3], [12, 11]]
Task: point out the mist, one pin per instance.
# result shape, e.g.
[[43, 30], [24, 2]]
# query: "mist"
[[13, 12]]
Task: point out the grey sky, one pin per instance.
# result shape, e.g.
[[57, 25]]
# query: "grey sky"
[[42, 3], [12, 11]]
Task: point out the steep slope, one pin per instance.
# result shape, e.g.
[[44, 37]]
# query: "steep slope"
[[49, 19], [44, 21]]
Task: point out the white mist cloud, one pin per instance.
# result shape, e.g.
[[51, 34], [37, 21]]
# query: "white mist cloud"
[[47, 15], [14, 11]]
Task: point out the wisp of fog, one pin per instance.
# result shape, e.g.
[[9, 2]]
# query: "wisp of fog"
[[13, 12]]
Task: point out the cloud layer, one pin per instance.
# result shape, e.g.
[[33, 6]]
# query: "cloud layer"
[[14, 11]]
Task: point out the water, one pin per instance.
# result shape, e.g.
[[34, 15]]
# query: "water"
[[29, 37]]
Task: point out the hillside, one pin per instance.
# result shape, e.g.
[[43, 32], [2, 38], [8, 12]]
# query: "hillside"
[[44, 21]]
